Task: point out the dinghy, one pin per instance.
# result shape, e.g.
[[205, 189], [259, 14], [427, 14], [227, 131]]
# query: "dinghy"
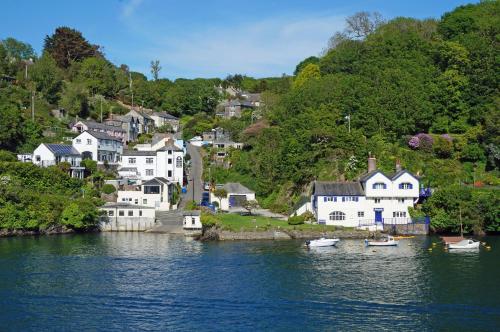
[[389, 241], [464, 244], [322, 242]]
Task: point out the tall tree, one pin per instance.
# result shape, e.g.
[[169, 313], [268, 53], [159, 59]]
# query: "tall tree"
[[67, 45], [18, 50], [47, 77], [155, 69]]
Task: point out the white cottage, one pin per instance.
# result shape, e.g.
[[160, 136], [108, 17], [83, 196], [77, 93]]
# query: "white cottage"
[[156, 193], [53, 154], [99, 146], [118, 217], [237, 196], [192, 220], [375, 199]]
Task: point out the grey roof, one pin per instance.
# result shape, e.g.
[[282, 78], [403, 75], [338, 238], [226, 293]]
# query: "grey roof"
[[101, 126], [127, 169], [224, 141], [157, 180], [401, 172], [236, 188], [170, 146], [160, 136], [100, 135], [125, 206], [62, 150], [191, 213], [392, 177], [138, 153], [324, 188], [165, 115]]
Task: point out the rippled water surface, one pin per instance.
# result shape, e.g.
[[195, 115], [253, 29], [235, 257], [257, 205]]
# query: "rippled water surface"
[[134, 281]]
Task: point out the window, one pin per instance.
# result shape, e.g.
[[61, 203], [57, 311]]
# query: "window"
[[78, 141], [121, 213], [151, 189], [149, 160], [329, 199], [379, 185], [111, 213], [337, 215], [178, 162], [399, 214], [361, 214], [130, 213], [149, 172], [169, 161], [144, 201], [377, 200], [169, 152], [401, 200], [131, 160], [89, 141], [136, 201], [405, 185], [140, 213], [37, 158], [193, 221], [124, 199], [169, 174]]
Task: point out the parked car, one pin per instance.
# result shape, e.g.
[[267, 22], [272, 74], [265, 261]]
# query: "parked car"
[[206, 186]]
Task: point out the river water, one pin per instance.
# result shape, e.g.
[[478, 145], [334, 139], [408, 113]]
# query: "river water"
[[137, 281]]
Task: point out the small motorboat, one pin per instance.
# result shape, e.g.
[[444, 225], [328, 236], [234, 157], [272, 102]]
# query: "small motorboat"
[[323, 242], [464, 244], [389, 241]]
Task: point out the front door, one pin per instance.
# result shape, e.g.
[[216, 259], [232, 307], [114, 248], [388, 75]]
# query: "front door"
[[378, 216]]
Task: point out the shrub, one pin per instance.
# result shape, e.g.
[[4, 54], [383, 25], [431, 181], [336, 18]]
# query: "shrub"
[[426, 141], [7, 156], [443, 147], [472, 152], [296, 220], [108, 188], [209, 220]]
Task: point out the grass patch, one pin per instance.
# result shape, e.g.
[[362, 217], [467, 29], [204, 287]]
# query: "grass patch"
[[237, 223]]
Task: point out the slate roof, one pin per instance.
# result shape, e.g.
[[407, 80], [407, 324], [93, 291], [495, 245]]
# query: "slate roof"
[[100, 135], [101, 126], [157, 180], [170, 146], [192, 213], [138, 153], [165, 115], [127, 169], [62, 150], [236, 188], [120, 205], [324, 188]]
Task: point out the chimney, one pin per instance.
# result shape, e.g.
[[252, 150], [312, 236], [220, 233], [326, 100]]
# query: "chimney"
[[372, 164], [398, 165]]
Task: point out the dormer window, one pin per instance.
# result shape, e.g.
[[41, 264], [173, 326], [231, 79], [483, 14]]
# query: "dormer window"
[[405, 185], [379, 185]]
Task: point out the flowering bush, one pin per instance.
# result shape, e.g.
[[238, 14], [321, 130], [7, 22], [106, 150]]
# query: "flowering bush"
[[447, 137], [421, 141], [414, 142]]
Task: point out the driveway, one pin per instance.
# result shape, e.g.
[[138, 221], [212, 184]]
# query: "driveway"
[[195, 173]]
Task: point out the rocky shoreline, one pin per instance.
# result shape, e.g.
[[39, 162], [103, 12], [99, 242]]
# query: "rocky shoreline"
[[218, 234], [53, 230]]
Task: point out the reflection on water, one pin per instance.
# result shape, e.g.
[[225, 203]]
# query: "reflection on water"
[[140, 281]]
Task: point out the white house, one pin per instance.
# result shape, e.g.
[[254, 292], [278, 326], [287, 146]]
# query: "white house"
[[99, 146], [192, 220], [375, 199], [237, 196], [126, 217], [163, 118], [52, 154], [167, 162], [155, 193]]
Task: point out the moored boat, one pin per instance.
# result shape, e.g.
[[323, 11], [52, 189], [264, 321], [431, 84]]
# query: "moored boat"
[[464, 244], [322, 242], [389, 241]]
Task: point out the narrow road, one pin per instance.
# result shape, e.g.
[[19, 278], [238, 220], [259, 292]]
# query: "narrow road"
[[194, 173]]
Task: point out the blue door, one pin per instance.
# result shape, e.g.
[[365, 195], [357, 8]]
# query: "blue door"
[[378, 216]]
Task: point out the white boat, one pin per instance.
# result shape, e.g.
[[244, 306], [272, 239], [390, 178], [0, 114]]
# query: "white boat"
[[464, 244], [322, 242], [389, 241]]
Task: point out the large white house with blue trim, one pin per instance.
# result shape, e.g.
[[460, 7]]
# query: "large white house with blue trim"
[[375, 199]]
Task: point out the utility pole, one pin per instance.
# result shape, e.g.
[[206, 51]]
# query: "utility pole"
[[101, 107], [32, 104]]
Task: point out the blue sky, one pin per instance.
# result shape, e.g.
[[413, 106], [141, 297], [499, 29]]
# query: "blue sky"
[[203, 38]]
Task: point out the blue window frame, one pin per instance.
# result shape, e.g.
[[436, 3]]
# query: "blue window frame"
[[405, 185], [379, 185]]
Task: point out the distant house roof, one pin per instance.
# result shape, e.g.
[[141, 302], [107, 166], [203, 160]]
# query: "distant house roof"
[[99, 135], [191, 213], [160, 136], [127, 169], [165, 115], [223, 141], [252, 97], [138, 153], [62, 150], [124, 206], [323, 188], [392, 177], [100, 126], [236, 188]]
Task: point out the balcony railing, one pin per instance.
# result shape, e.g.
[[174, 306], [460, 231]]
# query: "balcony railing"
[[394, 221]]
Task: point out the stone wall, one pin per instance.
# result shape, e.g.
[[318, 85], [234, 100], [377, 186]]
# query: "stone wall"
[[407, 229]]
